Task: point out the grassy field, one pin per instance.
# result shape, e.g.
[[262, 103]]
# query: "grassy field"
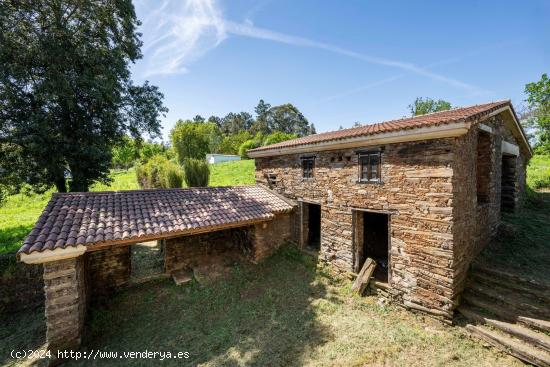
[[20, 212], [538, 174], [285, 312]]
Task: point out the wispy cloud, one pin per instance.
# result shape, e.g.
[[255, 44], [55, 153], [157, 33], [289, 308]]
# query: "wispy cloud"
[[180, 31]]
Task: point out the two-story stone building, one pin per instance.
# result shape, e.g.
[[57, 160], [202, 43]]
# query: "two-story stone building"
[[420, 195]]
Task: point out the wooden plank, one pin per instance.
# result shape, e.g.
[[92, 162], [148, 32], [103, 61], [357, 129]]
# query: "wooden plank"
[[363, 278]]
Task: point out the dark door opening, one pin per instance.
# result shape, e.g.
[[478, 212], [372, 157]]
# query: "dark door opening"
[[374, 242], [314, 227], [508, 184]]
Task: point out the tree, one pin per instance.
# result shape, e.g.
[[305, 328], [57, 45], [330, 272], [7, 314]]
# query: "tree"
[[196, 172], [234, 123], [261, 124], [422, 106], [538, 117], [66, 95], [192, 139], [125, 153], [288, 119], [277, 137], [230, 144]]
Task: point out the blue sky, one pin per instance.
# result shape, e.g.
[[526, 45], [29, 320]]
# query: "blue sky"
[[339, 61]]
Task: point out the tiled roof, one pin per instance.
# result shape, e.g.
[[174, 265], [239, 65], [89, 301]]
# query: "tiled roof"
[[95, 218], [432, 119]]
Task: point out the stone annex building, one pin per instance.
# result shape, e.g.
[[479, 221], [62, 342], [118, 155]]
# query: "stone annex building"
[[419, 195]]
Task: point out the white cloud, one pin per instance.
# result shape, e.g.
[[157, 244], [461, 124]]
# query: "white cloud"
[[181, 31]]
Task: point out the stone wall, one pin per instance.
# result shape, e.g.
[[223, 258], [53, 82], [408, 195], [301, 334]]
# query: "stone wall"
[[109, 271], [66, 302], [269, 236], [416, 187], [21, 285], [476, 222], [191, 251]]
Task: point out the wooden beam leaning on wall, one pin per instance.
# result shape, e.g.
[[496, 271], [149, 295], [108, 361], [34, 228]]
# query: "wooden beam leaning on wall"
[[362, 280]]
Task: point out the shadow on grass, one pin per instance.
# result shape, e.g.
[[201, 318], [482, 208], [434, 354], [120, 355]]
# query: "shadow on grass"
[[523, 243], [11, 238], [21, 331], [262, 315]]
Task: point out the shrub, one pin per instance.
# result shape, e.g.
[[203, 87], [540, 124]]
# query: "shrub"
[[538, 172], [196, 172], [159, 172], [277, 137], [249, 144], [173, 176]]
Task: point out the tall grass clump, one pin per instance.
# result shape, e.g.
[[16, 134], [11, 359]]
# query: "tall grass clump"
[[159, 173], [196, 172]]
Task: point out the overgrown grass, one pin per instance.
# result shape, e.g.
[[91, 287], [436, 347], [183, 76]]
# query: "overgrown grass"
[[232, 173], [285, 312], [20, 212], [538, 172], [523, 244]]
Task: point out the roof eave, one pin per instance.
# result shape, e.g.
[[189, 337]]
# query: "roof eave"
[[422, 133]]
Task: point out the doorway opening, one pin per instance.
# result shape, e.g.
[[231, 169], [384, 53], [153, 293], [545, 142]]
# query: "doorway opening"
[[147, 260], [312, 226], [372, 238], [508, 184]]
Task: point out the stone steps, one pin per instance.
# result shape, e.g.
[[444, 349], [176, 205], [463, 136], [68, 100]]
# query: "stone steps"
[[513, 346], [509, 312]]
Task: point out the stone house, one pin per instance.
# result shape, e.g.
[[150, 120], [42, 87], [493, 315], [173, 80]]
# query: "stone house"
[[420, 195]]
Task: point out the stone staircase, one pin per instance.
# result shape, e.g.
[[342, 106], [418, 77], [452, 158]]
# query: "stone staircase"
[[509, 312]]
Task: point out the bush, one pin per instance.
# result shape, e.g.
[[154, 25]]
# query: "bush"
[[196, 172], [538, 172], [277, 137], [158, 172], [249, 144]]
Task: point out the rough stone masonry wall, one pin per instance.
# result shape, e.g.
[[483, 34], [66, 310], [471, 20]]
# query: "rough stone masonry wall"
[[109, 271], [190, 251], [269, 236], [475, 223], [66, 302], [416, 187]]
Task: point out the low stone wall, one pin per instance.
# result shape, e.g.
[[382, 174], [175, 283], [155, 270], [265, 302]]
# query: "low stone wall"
[[109, 271], [21, 285]]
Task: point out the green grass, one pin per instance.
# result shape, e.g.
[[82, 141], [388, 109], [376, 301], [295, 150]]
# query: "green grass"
[[283, 312], [20, 212], [538, 172]]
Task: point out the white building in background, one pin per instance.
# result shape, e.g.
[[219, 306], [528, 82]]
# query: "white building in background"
[[218, 158]]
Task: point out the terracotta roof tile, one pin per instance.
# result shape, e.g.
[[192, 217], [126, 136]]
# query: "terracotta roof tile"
[[96, 218], [431, 119]]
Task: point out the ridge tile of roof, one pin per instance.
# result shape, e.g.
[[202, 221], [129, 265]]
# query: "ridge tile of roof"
[[461, 114], [111, 217]]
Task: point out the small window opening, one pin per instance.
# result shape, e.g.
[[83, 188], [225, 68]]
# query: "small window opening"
[[308, 164], [369, 167], [483, 164], [271, 179]]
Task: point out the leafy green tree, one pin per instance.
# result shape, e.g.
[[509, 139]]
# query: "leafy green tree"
[[250, 144], [66, 94], [230, 144], [277, 137], [146, 150], [234, 123], [288, 119], [422, 106], [125, 153], [192, 139], [538, 99]]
